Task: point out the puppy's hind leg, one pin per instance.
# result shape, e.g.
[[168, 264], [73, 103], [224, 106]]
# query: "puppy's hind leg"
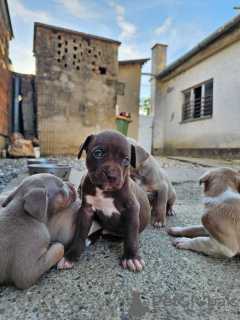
[[203, 244], [29, 275], [171, 200], [159, 206], [190, 232]]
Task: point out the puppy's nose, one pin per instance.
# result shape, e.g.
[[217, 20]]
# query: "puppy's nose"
[[111, 176]]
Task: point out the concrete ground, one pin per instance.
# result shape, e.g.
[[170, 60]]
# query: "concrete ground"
[[175, 284]]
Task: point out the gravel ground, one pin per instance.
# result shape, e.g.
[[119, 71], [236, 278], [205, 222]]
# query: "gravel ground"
[[174, 284]]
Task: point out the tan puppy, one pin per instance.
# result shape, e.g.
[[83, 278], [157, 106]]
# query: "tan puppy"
[[62, 226], [24, 237], [156, 184], [220, 232]]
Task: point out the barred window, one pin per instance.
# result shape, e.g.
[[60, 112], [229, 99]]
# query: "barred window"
[[198, 102]]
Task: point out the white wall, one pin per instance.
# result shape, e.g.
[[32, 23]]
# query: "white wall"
[[220, 131], [145, 132]]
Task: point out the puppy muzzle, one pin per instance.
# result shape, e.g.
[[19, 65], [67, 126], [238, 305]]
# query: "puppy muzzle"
[[107, 180]]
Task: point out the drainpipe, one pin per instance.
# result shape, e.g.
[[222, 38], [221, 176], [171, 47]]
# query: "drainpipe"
[[16, 111]]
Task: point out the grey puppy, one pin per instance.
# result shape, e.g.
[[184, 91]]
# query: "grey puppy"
[[25, 248], [156, 184]]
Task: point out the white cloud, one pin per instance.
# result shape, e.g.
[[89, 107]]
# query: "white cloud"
[[165, 27], [180, 38], [128, 29], [18, 9], [85, 10]]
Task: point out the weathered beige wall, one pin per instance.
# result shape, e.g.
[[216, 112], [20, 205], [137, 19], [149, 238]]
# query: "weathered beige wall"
[[220, 131], [130, 75], [74, 99]]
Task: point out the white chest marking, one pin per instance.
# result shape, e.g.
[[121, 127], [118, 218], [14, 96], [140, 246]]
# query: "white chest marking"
[[225, 196], [99, 202]]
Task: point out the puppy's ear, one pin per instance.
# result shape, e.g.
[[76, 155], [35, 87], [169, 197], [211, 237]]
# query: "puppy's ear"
[[36, 203], [11, 196], [141, 155], [84, 145], [204, 178], [133, 156]]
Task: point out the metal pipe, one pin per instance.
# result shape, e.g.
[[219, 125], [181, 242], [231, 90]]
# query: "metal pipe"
[[16, 126]]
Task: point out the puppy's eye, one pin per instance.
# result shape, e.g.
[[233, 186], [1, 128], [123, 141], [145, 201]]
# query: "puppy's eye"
[[126, 160], [98, 154]]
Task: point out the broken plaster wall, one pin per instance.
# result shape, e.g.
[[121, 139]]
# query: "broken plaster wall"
[[76, 83]]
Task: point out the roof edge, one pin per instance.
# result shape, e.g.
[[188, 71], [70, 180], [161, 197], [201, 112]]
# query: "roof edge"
[[211, 38], [140, 61], [9, 19], [58, 29]]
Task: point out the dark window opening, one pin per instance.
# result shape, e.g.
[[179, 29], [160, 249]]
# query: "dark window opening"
[[63, 57], [95, 56], [78, 68], [87, 40], [197, 102], [59, 45], [89, 51], [74, 40], [59, 60], [93, 63], [81, 53], [66, 50], [80, 45], [59, 37], [59, 52], [65, 65], [73, 63], [78, 60], [66, 42], [99, 53], [75, 48], [102, 70], [74, 56]]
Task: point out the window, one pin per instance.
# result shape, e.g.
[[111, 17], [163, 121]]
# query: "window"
[[120, 89], [198, 102]]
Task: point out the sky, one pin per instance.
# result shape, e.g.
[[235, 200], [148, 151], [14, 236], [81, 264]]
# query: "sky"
[[137, 24]]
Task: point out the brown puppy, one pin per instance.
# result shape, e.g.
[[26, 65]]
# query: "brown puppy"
[[24, 238], [220, 232], [109, 195], [156, 184]]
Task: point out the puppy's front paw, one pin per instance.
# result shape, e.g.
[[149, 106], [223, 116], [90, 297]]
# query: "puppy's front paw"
[[159, 224], [64, 264], [133, 264], [182, 243], [175, 231]]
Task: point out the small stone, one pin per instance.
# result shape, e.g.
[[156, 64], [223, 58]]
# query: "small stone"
[[2, 311]]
